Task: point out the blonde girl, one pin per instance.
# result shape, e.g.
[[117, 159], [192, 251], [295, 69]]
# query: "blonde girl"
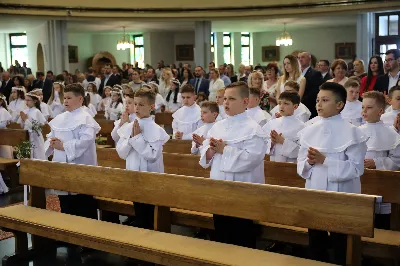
[[95, 98], [56, 101], [116, 108], [291, 72]]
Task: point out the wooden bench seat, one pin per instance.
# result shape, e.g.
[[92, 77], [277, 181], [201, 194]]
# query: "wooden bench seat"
[[157, 247]]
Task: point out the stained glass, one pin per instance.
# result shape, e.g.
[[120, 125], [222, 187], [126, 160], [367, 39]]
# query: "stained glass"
[[139, 56]]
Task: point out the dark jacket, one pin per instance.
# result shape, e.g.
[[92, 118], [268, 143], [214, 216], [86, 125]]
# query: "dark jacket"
[[6, 88], [202, 87], [113, 80], [327, 77], [382, 84], [313, 81], [47, 88]]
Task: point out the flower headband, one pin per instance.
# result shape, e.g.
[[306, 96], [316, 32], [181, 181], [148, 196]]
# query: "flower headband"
[[30, 94], [37, 91], [61, 83], [20, 88]]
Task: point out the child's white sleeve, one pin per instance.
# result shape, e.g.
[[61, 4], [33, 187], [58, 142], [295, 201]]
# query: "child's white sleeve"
[[123, 148], [174, 128], [290, 149], [304, 169], [150, 151], [47, 149], [194, 150], [392, 162], [76, 147], [203, 153], [114, 132], [353, 167]]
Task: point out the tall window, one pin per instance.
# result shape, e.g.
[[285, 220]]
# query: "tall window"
[[245, 50], [227, 47], [387, 32], [212, 42], [138, 51], [18, 47]]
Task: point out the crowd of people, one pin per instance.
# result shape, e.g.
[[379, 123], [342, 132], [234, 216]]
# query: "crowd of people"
[[326, 117]]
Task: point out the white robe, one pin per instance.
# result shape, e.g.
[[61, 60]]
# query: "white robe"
[[186, 120], [36, 138], [222, 114], [5, 151], [15, 107], [344, 146], [170, 106], [114, 111], [159, 102], [89, 110], [352, 113], [202, 132], [288, 126], [46, 111], [384, 148], [95, 100], [243, 156], [106, 102], [302, 112], [56, 106], [114, 132], [312, 121], [257, 114], [142, 152], [77, 131], [389, 117]]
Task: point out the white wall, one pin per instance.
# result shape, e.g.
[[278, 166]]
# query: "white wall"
[[85, 50], [36, 36], [161, 48], [108, 43], [181, 38], [319, 41], [5, 55]]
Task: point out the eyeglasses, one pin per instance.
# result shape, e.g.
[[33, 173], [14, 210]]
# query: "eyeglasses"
[[389, 60]]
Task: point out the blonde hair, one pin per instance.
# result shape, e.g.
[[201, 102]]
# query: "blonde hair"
[[216, 71], [249, 80], [61, 93], [295, 68], [220, 90], [169, 71]]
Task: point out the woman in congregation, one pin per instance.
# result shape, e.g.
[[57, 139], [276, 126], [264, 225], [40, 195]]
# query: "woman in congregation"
[[28, 85], [375, 69], [136, 82], [291, 71], [339, 70], [268, 92], [186, 77], [230, 69], [215, 84], [359, 69], [165, 82], [18, 81]]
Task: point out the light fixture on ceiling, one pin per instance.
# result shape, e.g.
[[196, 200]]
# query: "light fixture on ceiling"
[[124, 43], [285, 38]]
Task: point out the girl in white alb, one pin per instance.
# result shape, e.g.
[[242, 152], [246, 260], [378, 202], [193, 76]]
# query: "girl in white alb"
[[56, 100], [5, 151], [116, 107], [106, 99], [44, 108], [95, 98], [17, 103], [173, 100]]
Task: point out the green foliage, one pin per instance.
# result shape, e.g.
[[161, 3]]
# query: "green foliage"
[[23, 150]]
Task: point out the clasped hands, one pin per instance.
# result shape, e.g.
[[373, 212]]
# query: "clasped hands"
[[57, 144]]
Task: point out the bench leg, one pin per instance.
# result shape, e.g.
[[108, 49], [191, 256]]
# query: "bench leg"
[[395, 217], [162, 219], [22, 253], [12, 173], [353, 253]]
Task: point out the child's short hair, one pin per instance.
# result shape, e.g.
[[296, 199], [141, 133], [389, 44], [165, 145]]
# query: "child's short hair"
[[338, 90], [76, 88], [221, 90], [210, 105], [292, 96], [255, 92], [188, 88], [241, 86], [351, 83], [146, 93], [130, 95], [392, 90], [378, 96], [293, 84]]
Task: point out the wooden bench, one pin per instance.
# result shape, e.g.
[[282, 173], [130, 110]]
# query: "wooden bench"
[[163, 119], [385, 244], [350, 214], [12, 137], [45, 129]]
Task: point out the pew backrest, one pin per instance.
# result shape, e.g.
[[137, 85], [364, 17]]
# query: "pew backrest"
[[163, 119], [13, 137]]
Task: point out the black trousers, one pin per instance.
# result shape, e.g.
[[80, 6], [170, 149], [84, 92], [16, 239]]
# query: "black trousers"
[[382, 221], [79, 205], [320, 242], [144, 215], [235, 231]]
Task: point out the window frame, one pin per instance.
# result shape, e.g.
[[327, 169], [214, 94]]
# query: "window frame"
[[227, 34], [389, 39], [137, 46], [13, 46], [248, 35]]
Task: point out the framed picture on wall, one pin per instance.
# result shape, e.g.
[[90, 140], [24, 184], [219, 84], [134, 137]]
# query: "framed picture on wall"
[[270, 53], [345, 50], [184, 52], [73, 54]]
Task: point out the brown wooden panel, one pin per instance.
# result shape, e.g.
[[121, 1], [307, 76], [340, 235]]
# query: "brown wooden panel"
[[282, 174], [178, 146], [13, 125], [337, 212], [163, 118], [106, 126], [13, 137], [384, 183]]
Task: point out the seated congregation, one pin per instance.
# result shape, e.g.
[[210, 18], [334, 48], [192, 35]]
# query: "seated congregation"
[[333, 129]]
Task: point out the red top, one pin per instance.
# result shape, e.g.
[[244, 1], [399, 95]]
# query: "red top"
[[364, 83]]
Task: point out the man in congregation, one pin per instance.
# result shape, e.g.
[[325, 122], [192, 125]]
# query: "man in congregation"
[[151, 75], [313, 81], [385, 82], [324, 69], [211, 65], [6, 85], [222, 72], [24, 70], [109, 79], [200, 83]]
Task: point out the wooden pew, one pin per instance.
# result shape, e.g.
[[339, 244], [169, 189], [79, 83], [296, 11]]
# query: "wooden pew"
[[45, 129], [385, 183], [350, 214], [12, 137], [163, 119], [106, 128]]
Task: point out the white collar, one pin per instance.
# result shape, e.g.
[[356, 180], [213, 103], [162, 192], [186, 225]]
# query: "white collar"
[[151, 132], [258, 114], [188, 114], [289, 126], [352, 110], [394, 77], [305, 70], [69, 121], [376, 142]]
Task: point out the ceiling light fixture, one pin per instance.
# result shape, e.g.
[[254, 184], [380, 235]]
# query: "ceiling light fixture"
[[124, 43], [285, 38]]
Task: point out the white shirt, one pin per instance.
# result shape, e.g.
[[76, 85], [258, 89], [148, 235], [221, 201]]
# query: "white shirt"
[[114, 132], [258, 115], [243, 156], [305, 71], [288, 126], [389, 117], [393, 80], [302, 112], [186, 120], [324, 74], [115, 111], [170, 106], [15, 107], [214, 86], [142, 152], [344, 146], [352, 113]]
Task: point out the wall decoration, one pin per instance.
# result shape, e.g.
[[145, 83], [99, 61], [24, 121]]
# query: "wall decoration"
[[184, 52], [73, 54], [270, 53], [345, 50]]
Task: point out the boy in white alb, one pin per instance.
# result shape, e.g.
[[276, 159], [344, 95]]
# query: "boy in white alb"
[[72, 140], [235, 149], [209, 114], [331, 158], [253, 109], [301, 112], [282, 132], [352, 110], [219, 98], [129, 115], [187, 118], [383, 147], [141, 144], [394, 96]]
